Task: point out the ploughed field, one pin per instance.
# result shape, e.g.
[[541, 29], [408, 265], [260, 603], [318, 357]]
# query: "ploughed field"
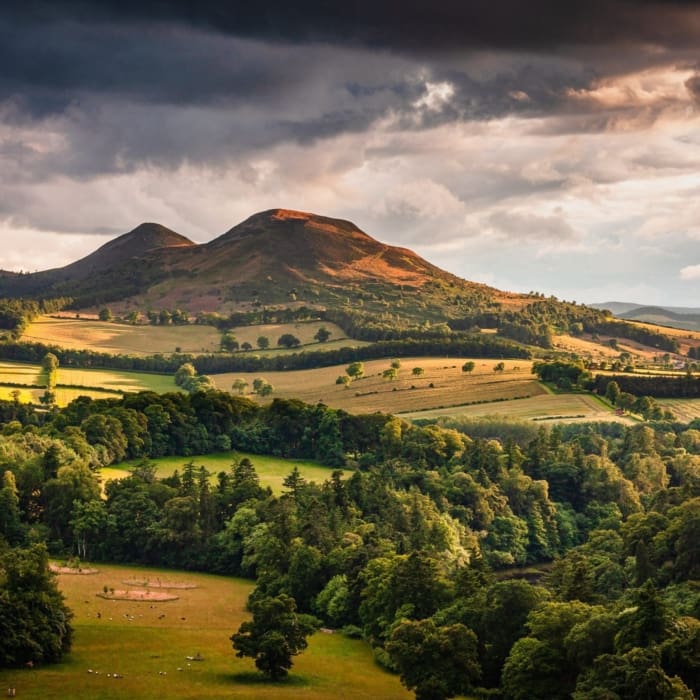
[[146, 645]]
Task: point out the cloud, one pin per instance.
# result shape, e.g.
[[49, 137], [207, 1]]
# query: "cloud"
[[690, 272], [442, 24], [526, 227]]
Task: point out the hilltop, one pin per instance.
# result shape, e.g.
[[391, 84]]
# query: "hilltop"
[[277, 258]]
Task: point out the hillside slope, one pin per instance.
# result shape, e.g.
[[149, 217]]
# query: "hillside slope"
[[275, 258]]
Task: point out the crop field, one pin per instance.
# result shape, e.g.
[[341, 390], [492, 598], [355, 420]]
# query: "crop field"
[[271, 470], [147, 644], [74, 382], [685, 410], [442, 384], [549, 408]]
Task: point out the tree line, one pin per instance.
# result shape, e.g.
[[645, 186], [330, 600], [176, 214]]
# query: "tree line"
[[473, 346]]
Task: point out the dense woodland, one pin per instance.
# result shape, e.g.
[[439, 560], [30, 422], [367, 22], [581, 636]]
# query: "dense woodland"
[[416, 541]]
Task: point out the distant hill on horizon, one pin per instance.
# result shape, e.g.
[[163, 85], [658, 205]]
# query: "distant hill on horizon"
[[686, 318]]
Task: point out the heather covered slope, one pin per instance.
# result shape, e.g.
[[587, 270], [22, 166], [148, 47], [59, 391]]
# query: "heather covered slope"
[[277, 257], [128, 264]]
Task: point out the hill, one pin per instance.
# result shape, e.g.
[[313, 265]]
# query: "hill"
[[686, 318], [129, 263], [277, 257], [281, 265]]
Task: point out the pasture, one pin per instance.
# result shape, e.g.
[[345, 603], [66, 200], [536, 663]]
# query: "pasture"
[[73, 382], [148, 643], [121, 338], [271, 470], [442, 384], [549, 408]]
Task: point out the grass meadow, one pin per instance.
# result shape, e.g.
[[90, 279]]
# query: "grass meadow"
[[73, 382], [147, 643], [271, 470], [442, 384]]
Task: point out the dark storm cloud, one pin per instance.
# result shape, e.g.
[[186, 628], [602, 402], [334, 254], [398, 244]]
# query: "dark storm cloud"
[[442, 24]]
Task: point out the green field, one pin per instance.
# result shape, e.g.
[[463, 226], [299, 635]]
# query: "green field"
[[148, 642], [271, 470], [72, 382]]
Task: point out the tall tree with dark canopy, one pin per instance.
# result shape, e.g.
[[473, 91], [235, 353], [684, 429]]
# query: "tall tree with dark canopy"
[[274, 635]]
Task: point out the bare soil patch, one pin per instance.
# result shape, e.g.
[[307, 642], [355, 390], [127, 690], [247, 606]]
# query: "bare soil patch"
[[160, 583], [138, 596], [71, 570]]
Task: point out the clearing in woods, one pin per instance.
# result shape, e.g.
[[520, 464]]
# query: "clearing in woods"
[[442, 384], [139, 649], [271, 470]]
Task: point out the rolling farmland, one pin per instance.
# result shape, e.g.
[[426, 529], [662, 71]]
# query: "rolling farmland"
[[442, 384]]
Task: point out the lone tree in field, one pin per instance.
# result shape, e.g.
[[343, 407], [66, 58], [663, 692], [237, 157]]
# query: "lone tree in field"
[[274, 635], [417, 371], [287, 340], [390, 374], [105, 314], [322, 334], [355, 370], [49, 364], [229, 342], [468, 367], [263, 342], [240, 385]]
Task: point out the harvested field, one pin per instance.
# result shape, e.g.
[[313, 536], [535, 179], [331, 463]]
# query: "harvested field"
[[550, 408], [685, 410], [442, 384], [121, 338]]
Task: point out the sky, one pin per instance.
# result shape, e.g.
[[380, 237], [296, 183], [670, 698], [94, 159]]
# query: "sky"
[[535, 146]]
